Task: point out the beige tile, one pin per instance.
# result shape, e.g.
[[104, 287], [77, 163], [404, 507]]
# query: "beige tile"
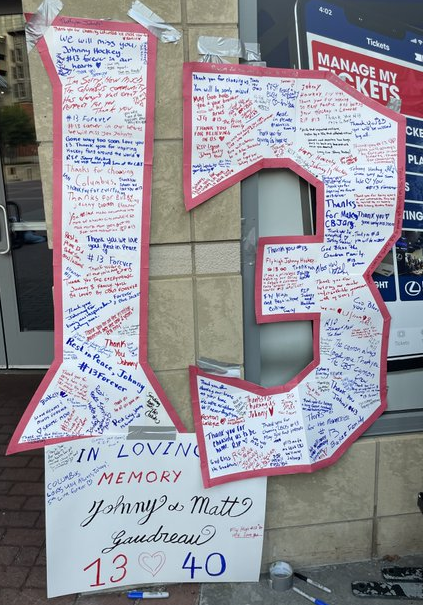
[[218, 11], [318, 544], [219, 309], [220, 31], [45, 154], [29, 6], [399, 535], [42, 96], [170, 222], [176, 386], [341, 492], [168, 107], [171, 321], [219, 257], [400, 474], [219, 218], [106, 9], [168, 10], [171, 259]]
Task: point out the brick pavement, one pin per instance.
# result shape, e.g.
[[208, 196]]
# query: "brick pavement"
[[22, 526]]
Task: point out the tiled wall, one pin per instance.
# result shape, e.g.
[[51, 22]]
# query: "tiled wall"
[[363, 506]]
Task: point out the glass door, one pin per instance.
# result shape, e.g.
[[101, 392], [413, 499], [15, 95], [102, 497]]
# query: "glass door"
[[26, 266]]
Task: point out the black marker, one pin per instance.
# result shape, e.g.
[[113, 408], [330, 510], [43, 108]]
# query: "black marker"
[[312, 582]]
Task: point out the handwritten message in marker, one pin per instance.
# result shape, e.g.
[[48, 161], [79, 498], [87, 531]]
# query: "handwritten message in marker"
[[137, 513], [103, 94], [241, 119]]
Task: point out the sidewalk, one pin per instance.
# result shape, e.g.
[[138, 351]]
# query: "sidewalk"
[[22, 527], [22, 538], [336, 577]]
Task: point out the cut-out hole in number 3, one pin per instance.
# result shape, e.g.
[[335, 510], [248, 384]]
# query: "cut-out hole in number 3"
[[238, 120]]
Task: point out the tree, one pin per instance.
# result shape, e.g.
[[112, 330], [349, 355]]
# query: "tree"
[[16, 127]]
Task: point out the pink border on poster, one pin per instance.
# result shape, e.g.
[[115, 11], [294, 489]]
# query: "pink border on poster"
[[113, 26], [192, 202]]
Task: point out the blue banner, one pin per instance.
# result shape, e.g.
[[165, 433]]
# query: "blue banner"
[[411, 287], [414, 159], [414, 187], [414, 132], [413, 216], [386, 286]]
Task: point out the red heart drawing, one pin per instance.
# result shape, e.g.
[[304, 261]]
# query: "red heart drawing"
[[152, 563]]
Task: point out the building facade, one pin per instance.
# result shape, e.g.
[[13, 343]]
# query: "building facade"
[[363, 506]]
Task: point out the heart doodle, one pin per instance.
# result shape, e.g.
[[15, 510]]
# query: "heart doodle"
[[152, 563]]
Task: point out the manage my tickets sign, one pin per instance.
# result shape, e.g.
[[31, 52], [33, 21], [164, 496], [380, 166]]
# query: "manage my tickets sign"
[[136, 512]]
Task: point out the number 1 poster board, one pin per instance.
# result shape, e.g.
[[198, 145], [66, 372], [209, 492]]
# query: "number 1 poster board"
[[100, 382], [122, 512]]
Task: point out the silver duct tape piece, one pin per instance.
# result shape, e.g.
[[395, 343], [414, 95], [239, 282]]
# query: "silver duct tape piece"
[[249, 241], [281, 576], [221, 368], [394, 104], [253, 52], [212, 46], [40, 21], [212, 59], [151, 433], [155, 24]]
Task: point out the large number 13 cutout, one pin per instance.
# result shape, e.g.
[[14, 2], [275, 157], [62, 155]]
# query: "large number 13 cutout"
[[239, 119]]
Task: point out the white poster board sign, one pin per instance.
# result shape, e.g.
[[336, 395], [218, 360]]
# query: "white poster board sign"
[[124, 512]]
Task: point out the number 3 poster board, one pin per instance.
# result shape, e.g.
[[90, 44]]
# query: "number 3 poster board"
[[122, 512], [238, 120]]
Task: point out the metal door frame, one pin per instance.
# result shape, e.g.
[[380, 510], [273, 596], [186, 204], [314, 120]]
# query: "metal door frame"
[[18, 349]]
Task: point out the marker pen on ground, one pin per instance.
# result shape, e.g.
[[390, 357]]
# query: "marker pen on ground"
[[135, 594], [310, 581], [307, 596]]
